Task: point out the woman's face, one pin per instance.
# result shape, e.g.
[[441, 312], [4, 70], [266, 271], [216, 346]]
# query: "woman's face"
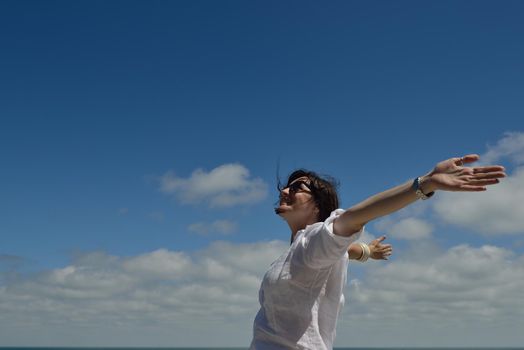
[[296, 202]]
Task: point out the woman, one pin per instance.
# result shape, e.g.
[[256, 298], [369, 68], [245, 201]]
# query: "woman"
[[301, 293]]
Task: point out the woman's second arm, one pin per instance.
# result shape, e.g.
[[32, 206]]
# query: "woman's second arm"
[[377, 250], [449, 175]]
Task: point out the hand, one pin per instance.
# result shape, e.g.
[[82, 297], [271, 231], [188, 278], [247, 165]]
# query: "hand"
[[453, 175], [378, 250]]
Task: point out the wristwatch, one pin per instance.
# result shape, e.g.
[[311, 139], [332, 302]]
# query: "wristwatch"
[[418, 190]]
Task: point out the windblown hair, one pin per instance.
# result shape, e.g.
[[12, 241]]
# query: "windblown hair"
[[323, 188]]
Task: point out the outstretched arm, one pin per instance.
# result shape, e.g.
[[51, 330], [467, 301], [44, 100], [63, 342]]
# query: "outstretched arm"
[[378, 251], [448, 175]]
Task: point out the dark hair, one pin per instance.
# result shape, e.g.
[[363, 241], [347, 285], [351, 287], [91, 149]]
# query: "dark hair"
[[323, 188]]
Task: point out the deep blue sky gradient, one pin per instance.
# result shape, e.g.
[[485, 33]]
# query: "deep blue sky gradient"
[[99, 98]]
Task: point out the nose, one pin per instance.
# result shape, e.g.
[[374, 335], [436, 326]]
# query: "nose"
[[284, 193]]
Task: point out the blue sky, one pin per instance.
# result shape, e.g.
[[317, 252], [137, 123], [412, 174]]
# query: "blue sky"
[[152, 131]]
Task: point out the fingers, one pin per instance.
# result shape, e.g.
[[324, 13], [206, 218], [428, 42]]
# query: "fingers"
[[379, 246], [477, 186], [481, 179], [471, 188], [380, 251], [385, 252], [485, 182], [470, 158], [496, 169], [376, 242], [479, 174], [384, 246]]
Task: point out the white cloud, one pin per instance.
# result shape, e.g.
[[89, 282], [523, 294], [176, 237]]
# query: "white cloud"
[[441, 301], [497, 211], [224, 186], [224, 227], [407, 228], [162, 298], [510, 146], [175, 298], [159, 264]]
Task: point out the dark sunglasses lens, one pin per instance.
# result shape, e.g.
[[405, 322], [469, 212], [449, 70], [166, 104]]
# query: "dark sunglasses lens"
[[297, 186], [294, 187]]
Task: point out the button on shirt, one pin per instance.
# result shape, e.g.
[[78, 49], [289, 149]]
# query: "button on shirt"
[[302, 292]]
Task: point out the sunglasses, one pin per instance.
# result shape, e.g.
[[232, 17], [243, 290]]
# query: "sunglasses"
[[298, 186]]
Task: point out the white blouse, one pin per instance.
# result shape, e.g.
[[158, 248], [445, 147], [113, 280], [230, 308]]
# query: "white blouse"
[[302, 292]]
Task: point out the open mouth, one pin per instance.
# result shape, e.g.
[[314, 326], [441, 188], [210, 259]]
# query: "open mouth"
[[285, 201]]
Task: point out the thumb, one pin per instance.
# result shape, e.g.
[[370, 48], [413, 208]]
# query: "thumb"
[[470, 158], [377, 241]]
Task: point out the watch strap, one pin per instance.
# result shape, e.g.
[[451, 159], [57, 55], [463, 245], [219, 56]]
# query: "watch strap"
[[418, 190]]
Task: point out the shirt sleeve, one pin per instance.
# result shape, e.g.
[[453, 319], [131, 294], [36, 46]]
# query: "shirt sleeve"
[[318, 247]]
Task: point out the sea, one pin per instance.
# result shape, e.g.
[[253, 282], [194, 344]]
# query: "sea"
[[241, 348]]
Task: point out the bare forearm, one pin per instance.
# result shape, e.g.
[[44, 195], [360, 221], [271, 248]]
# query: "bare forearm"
[[379, 205], [388, 201]]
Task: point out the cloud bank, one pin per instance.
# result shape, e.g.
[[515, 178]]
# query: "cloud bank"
[[408, 228], [225, 186], [461, 293], [511, 147], [175, 298], [163, 297], [499, 210]]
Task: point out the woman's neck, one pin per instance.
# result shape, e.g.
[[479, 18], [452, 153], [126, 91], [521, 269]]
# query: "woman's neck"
[[295, 227]]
